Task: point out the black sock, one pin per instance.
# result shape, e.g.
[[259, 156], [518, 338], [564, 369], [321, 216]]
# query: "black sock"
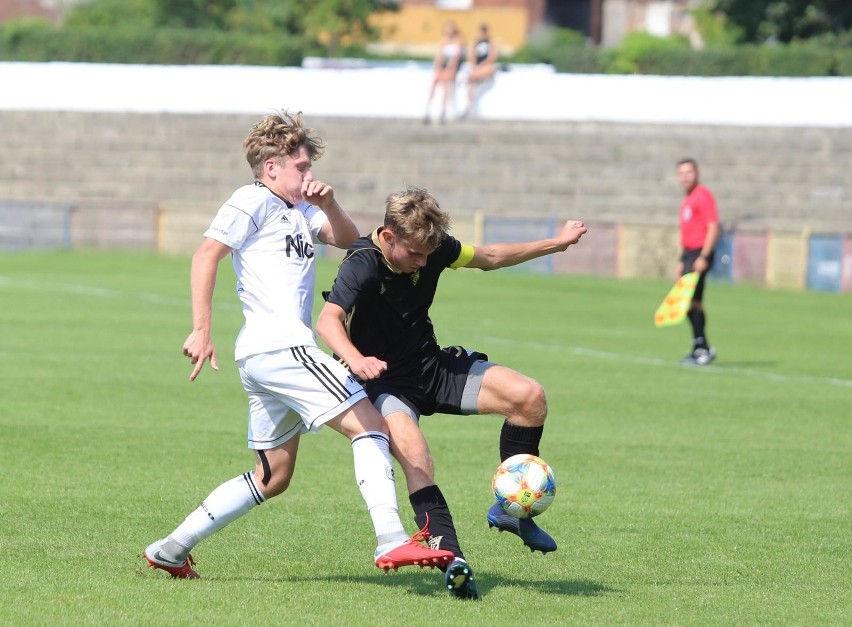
[[515, 440], [430, 501], [698, 321]]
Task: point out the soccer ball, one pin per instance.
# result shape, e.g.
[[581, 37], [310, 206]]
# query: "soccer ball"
[[524, 486]]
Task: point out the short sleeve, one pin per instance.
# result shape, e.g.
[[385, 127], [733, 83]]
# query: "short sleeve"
[[316, 219], [708, 207], [231, 226], [355, 274], [449, 254]]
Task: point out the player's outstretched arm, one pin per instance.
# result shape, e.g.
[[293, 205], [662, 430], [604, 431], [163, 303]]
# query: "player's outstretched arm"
[[199, 345], [330, 327], [503, 255]]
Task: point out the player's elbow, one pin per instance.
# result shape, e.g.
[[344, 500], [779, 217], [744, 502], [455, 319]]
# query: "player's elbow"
[[489, 259]]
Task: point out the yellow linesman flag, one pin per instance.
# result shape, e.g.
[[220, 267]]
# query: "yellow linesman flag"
[[676, 303]]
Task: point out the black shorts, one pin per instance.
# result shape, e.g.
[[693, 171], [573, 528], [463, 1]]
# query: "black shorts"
[[688, 258], [449, 383]]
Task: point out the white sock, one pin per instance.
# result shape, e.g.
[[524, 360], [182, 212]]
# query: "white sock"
[[374, 474], [225, 504]]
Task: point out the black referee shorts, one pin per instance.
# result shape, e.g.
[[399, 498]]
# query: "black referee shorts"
[[688, 258]]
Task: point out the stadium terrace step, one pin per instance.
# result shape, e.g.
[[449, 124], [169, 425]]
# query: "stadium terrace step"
[[592, 170]]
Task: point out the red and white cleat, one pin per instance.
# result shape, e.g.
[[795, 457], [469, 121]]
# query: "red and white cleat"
[[413, 552], [182, 570]]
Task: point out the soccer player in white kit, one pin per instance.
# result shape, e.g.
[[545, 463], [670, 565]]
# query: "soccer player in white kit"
[[269, 227]]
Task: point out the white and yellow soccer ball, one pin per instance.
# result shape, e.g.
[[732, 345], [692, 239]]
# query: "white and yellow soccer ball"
[[524, 485]]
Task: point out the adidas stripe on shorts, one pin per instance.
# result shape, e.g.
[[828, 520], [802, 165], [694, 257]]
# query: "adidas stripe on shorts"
[[294, 390]]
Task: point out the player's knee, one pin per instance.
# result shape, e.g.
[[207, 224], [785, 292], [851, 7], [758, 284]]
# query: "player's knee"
[[279, 486], [376, 424], [274, 484], [539, 401], [533, 403], [366, 418]]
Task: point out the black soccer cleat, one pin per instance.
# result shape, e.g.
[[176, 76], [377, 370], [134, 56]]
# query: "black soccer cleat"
[[459, 580], [536, 538]]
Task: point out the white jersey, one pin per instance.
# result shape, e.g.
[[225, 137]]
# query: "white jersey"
[[274, 261]]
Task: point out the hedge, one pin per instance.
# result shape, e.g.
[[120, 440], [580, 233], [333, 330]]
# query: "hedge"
[[36, 42]]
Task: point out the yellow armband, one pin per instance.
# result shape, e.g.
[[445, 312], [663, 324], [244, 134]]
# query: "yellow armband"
[[464, 257]]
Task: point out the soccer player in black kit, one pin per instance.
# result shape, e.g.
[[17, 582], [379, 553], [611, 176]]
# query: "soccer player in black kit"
[[376, 320]]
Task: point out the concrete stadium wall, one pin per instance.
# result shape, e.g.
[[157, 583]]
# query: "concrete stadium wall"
[[154, 181], [781, 178]]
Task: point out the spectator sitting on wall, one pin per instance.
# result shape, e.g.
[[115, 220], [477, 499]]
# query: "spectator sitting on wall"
[[445, 68], [482, 57]]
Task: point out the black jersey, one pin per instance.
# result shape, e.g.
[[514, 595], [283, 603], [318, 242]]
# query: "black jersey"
[[388, 311], [481, 50]]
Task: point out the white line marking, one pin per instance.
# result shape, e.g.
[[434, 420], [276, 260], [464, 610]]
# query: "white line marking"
[[653, 361], [32, 284], [89, 290]]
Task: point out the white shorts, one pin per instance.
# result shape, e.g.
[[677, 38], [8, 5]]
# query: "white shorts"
[[292, 391]]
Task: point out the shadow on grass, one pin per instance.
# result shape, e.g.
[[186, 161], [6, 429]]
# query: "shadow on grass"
[[427, 584]]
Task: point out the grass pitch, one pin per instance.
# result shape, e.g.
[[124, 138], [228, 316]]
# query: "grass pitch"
[[685, 496]]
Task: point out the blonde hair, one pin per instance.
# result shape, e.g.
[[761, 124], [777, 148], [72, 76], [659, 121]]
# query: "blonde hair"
[[280, 135], [413, 215]]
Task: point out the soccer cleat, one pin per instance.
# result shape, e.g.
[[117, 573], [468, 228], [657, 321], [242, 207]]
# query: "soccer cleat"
[[699, 357], [704, 356], [413, 552], [459, 580], [178, 570], [525, 528]]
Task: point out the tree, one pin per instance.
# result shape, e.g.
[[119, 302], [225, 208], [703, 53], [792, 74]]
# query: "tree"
[[262, 17], [194, 13], [111, 13], [785, 20], [331, 23], [337, 22]]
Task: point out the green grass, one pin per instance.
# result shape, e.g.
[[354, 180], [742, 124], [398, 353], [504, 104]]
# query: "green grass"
[[686, 496]]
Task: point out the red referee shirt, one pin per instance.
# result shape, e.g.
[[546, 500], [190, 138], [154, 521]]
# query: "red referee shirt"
[[697, 211]]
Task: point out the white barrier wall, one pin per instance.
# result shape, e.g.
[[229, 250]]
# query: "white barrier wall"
[[520, 93]]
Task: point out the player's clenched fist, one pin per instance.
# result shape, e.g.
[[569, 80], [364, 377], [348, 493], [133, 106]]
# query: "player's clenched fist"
[[572, 231], [318, 193]]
